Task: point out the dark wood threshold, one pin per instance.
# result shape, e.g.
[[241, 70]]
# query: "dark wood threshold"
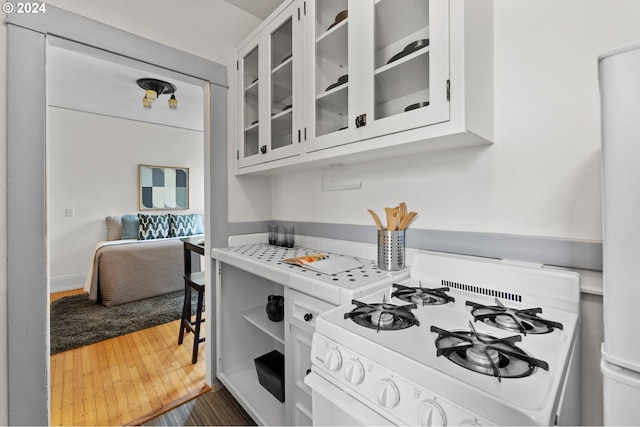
[[181, 401]]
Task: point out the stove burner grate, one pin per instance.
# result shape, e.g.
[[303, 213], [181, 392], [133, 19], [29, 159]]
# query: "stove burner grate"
[[423, 296], [383, 316], [522, 321], [485, 354]]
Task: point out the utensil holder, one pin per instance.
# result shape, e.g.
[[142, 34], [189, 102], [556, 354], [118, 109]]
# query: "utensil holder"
[[390, 250]]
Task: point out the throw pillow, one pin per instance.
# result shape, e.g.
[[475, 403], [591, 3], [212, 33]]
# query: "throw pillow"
[[130, 225], [199, 225], [182, 225], [153, 227], [114, 228]]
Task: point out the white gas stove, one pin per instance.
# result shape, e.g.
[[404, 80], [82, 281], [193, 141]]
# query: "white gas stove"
[[443, 367]]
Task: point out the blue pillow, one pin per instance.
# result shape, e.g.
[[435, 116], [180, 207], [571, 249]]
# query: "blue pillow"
[[130, 224], [153, 227], [199, 225]]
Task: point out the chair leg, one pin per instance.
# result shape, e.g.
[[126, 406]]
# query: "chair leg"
[[198, 322], [186, 311]]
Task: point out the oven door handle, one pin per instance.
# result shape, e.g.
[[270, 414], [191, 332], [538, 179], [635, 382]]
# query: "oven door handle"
[[344, 401]]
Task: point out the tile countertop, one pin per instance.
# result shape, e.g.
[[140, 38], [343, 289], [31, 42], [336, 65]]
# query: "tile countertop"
[[264, 260]]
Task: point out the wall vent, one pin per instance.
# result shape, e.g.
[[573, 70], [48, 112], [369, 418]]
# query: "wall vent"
[[482, 291]]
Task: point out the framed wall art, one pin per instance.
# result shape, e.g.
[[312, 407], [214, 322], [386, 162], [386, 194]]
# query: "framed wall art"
[[163, 187]]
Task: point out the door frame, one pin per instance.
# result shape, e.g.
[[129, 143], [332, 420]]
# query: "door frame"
[[27, 240]]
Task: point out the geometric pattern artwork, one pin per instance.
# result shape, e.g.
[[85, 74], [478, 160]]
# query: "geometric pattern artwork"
[[163, 187]]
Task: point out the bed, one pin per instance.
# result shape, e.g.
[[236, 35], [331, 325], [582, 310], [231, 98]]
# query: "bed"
[[126, 269]]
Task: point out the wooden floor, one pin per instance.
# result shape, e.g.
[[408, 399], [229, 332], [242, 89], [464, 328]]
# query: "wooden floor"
[[122, 379]]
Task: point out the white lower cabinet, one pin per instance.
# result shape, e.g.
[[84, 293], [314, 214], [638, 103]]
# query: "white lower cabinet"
[[245, 333], [300, 313], [301, 407]]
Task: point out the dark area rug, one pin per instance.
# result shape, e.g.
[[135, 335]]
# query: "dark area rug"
[[77, 321]]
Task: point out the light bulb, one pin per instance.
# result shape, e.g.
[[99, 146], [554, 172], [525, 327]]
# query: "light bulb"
[[151, 95], [173, 102], [147, 102]]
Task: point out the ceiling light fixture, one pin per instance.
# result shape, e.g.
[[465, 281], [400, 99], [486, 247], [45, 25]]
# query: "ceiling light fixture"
[[154, 88]]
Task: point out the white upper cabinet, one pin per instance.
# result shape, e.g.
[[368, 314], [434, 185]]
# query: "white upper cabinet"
[[268, 105], [378, 67], [376, 78]]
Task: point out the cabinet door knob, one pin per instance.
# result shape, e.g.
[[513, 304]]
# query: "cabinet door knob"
[[308, 371], [308, 317], [263, 149], [361, 120]]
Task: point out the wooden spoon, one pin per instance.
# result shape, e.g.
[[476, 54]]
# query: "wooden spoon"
[[392, 218], [407, 220], [375, 219]]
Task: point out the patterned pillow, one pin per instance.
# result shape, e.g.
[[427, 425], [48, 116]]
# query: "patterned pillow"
[[182, 225], [153, 227]]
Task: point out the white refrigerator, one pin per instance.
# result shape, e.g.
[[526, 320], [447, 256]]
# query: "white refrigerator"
[[619, 76]]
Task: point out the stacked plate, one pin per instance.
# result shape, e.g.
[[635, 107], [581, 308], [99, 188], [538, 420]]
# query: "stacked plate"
[[339, 18], [341, 80], [409, 49]]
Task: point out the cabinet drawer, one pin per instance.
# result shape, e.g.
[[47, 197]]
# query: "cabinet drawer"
[[304, 309]]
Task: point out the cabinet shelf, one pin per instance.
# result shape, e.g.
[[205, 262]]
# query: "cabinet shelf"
[[242, 380], [334, 100], [252, 89], [252, 129], [258, 317], [332, 45], [402, 77], [281, 76]]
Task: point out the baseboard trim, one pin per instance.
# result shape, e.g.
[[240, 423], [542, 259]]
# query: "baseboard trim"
[[67, 282]]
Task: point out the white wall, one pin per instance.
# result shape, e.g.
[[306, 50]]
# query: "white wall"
[[210, 29], [541, 177], [93, 169]]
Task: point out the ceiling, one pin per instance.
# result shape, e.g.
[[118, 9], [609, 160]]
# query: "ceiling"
[[259, 8], [86, 79]]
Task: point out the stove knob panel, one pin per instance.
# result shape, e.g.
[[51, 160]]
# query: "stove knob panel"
[[333, 359], [354, 371], [430, 413], [387, 393]]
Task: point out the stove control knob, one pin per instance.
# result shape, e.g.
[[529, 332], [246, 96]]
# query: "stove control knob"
[[387, 393], [333, 359], [430, 413], [354, 371]]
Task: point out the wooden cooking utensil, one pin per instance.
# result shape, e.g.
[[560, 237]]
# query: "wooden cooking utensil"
[[407, 219], [403, 210], [375, 219], [392, 218]]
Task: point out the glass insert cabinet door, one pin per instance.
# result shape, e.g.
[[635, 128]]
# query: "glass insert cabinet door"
[[268, 70], [249, 106], [378, 67], [331, 61]]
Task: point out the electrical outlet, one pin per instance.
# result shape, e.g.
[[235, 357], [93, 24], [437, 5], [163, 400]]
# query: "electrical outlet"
[[69, 212]]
